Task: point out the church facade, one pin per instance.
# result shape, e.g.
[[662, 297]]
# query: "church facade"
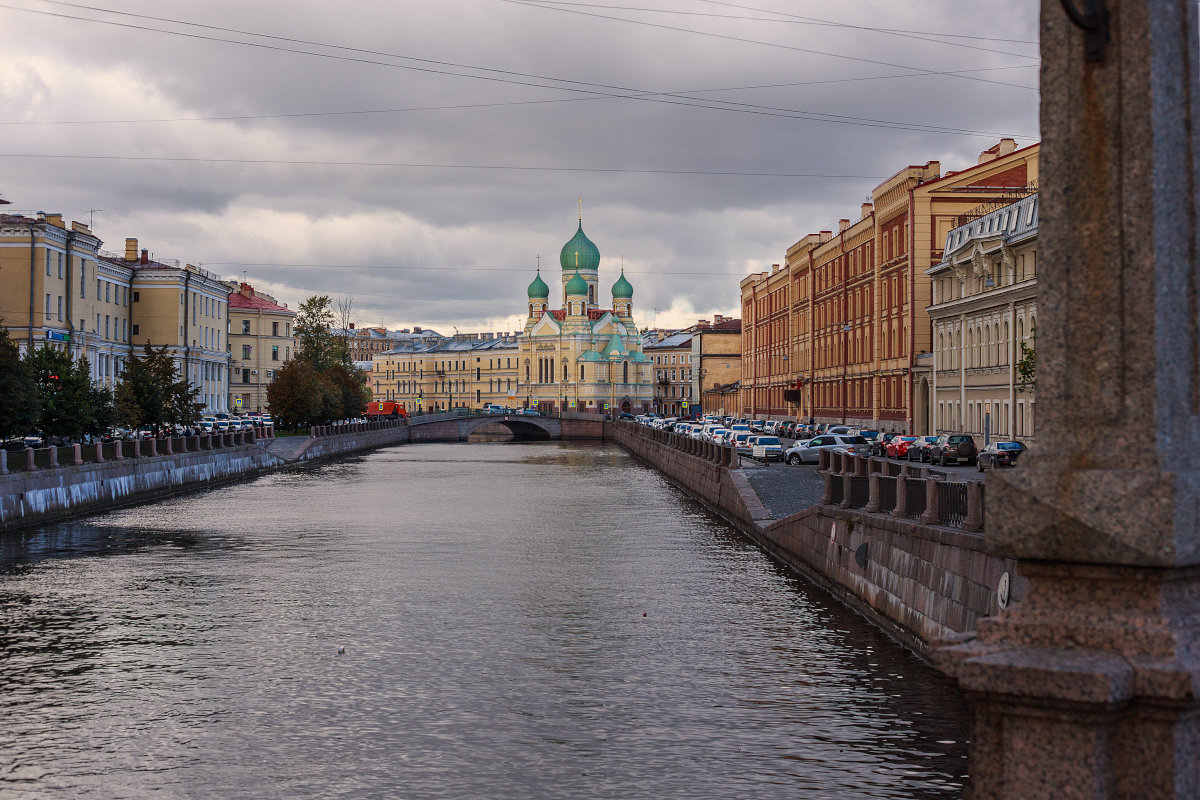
[[580, 357]]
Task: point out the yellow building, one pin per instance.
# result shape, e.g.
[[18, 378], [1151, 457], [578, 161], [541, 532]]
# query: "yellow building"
[[467, 370], [717, 364], [581, 357], [54, 289], [185, 309], [261, 342]]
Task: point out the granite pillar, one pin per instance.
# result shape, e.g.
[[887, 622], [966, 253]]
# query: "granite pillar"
[[1088, 687]]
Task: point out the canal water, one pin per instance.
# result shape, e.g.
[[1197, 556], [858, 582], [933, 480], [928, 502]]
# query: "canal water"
[[544, 620]]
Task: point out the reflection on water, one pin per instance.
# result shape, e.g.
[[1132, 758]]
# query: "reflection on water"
[[537, 620]]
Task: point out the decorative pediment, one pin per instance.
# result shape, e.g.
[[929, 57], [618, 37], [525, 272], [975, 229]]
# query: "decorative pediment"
[[546, 326]]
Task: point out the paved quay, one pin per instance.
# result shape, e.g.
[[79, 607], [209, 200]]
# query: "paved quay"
[[784, 490]]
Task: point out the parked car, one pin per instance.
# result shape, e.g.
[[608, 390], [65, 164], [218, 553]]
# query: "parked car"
[[898, 446], [772, 447], [533, 412], [809, 452], [953, 448], [879, 446], [919, 450], [999, 454]]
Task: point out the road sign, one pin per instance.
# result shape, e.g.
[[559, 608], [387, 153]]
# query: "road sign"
[[237, 402]]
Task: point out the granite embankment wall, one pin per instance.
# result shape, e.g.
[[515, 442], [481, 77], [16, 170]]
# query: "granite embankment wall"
[[919, 582], [57, 488]]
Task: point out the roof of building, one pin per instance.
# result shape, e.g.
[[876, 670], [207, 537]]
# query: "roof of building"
[[257, 302], [593, 313], [677, 339]]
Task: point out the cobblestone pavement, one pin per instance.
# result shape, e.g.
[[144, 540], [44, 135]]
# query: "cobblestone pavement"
[[784, 490]]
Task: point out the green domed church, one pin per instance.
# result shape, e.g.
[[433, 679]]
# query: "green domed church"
[[580, 357]]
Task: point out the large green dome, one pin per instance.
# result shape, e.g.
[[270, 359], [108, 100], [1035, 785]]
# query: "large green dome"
[[622, 289], [577, 286], [538, 290], [589, 254]]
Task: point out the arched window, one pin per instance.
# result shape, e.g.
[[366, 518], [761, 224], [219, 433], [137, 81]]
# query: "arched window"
[[625, 372]]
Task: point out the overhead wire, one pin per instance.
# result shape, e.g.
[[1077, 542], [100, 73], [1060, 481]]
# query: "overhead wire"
[[599, 89]]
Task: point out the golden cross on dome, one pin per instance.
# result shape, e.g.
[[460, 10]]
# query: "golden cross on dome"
[[581, 208], [539, 262]]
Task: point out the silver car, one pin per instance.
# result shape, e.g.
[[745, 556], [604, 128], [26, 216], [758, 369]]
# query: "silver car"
[[809, 452]]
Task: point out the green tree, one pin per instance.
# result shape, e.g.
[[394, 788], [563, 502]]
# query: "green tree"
[[18, 395], [1027, 365], [151, 393], [297, 396], [65, 391], [350, 387], [319, 346]]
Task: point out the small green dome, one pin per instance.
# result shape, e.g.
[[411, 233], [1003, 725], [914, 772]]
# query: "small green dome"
[[622, 290], [577, 286], [538, 290], [589, 254]]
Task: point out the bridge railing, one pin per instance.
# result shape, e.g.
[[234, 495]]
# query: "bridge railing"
[[853, 481]]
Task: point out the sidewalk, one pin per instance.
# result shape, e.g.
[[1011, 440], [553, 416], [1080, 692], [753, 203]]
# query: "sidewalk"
[[784, 490]]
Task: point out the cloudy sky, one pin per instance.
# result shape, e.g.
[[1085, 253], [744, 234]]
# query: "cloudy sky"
[[420, 155]]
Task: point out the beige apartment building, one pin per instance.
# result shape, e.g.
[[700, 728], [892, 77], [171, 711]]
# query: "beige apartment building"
[[261, 342], [54, 289], [670, 355], [183, 308], [717, 364], [465, 370], [984, 308]]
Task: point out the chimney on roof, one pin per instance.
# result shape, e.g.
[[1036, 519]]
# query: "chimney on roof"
[[774, 268], [351, 326], [416, 328], [867, 208], [1003, 148], [131, 250], [824, 236], [145, 256], [718, 319], [843, 224]]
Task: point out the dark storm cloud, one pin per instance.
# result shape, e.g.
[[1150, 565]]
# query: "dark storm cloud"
[[456, 244]]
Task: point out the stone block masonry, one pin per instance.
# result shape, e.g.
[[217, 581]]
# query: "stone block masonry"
[[56, 489], [921, 583]]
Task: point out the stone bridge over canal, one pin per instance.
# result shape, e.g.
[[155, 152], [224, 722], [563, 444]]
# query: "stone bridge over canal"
[[454, 428]]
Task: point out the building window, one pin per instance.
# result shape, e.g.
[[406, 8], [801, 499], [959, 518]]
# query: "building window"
[[136, 329], [47, 306], [246, 351], [245, 326], [137, 296], [60, 308], [274, 328], [274, 353], [245, 376]]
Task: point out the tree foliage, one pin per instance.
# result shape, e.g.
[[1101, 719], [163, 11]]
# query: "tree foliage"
[[152, 395], [1027, 366], [64, 389], [319, 346], [18, 395], [297, 396]]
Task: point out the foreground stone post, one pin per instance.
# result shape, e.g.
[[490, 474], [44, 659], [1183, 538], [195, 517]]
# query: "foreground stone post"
[[3, 462], [99, 452], [30, 463], [1088, 686], [152, 449], [51, 456], [872, 505], [973, 523], [931, 514], [901, 509], [76, 455]]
